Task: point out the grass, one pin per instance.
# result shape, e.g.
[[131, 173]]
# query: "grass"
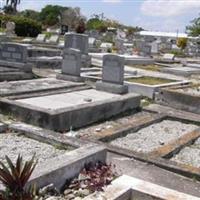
[[154, 68], [148, 80]]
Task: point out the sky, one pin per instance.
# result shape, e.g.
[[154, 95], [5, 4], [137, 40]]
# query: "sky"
[[153, 15]]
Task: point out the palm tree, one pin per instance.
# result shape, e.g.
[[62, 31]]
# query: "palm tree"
[[13, 4]]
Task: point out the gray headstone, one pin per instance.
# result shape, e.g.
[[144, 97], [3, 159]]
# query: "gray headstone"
[[13, 52], [113, 69], [41, 38], [10, 29], [169, 56], [71, 62], [54, 39], [77, 41]]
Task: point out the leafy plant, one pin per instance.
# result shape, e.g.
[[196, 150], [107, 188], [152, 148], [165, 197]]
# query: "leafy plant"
[[15, 177]]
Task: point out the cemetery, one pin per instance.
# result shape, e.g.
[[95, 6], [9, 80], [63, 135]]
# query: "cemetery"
[[94, 109]]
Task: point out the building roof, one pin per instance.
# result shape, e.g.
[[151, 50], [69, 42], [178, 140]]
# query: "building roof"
[[163, 34]]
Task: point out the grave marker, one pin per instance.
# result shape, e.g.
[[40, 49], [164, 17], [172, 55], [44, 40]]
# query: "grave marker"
[[113, 75]]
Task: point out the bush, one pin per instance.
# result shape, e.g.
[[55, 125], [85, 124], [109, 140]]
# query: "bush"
[[25, 27]]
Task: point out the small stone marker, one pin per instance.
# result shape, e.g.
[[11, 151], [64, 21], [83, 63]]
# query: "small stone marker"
[[54, 39], [10, 29], [113, 75], [41, 38], [168, 56], [71, 67]]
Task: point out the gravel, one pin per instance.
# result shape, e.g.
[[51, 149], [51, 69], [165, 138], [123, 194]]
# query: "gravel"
[[12, 144], [156, 135], [189, 155]]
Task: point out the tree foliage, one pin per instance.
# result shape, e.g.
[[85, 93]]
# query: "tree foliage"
[[181, 43], [50, 14], [194, 28]]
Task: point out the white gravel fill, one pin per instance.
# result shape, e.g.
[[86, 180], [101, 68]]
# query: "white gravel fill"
[[189, 155], [11, 145], [156, 135]]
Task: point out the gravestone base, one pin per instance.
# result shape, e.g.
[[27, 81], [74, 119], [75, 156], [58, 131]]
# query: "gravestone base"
[[67, 77], [111, 87]]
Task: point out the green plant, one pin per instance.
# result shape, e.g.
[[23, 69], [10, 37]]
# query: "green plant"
[[24, 26], [15, 178]]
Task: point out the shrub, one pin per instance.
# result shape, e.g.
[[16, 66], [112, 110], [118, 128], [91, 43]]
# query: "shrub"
[[25, 27], [15, 177]]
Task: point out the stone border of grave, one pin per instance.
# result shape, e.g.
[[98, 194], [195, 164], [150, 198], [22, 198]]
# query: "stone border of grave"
[[177, 99], [66, 166], [69, 86], [60, 119], [150, 90], [160, 155], [125, 187]]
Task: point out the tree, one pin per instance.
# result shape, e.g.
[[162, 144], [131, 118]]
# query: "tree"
[[13, 4], [95, 24], [72, 17], [181, 43], [81, 26], [50, 14], [32, 14], [194, 28]]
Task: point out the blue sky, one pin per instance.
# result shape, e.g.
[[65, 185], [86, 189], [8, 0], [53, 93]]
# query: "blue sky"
[[156, 15]]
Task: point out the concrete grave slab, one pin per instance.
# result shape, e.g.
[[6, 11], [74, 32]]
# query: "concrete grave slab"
[[33, 86], [70, 109], [126, 188], [183, 97], [148, 86], [181, 71], [41, 38]]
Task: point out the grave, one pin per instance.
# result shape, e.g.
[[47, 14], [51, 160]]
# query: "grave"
[[29, 87], [60, 158], [180, 97], [181, 71], [154, 136], [113, 75], [71, 66], [130, 188], [189, 155], [41, 38], [13, 56], [80, 42], [54, 39], [148, 86], [69, 108], [68, 165]]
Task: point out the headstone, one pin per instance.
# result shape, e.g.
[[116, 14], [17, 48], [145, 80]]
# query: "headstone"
[[168, 56], [71, 67], [41, 38], [77, 41], [64, 29], [105, 47], [113, 75], [54, 39], [13, 52], [10, 29]]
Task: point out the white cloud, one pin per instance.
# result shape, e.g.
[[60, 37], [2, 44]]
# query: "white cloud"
[[112, 1], [167, 8]]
